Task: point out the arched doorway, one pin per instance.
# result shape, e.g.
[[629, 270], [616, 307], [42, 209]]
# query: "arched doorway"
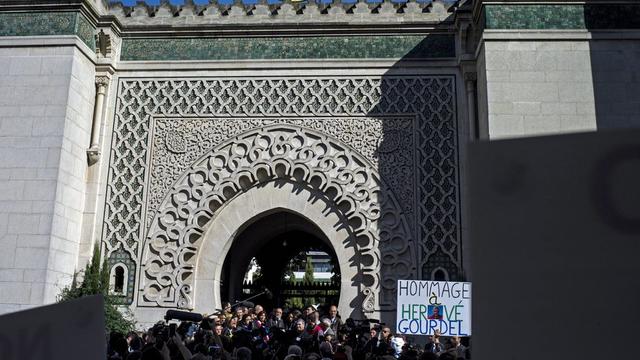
[[238, 226], [275, 243]]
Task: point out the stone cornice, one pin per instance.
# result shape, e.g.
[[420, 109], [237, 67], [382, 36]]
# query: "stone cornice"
[[288, 18], [91, 8], [300, 13], [314, 31], [310, 18]]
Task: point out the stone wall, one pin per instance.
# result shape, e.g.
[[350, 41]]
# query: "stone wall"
[[538, 87], [558, 67], [541, 87], [72, 175], [615, 66], [46, 100]]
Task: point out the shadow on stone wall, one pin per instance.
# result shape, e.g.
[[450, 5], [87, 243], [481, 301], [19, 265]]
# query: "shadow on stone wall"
[[418, 159], [615, 64]]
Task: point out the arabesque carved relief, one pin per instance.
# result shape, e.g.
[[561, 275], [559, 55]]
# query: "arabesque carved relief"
[[429, 201], [177, 142], [381, 235]]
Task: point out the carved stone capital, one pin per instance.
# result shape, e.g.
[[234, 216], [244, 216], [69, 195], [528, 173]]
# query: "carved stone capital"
[[93, 155], [470, 76], [102, 81]]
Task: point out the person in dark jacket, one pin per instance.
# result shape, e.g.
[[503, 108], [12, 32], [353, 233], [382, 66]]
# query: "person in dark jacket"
[[276, 320], [434, 345], [300, 337], [336, 320]]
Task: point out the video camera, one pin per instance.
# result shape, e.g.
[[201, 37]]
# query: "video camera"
[[163, 331], [354, 329], [364, 326]]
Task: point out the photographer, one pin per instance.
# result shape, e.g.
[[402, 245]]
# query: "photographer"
[[379, 342], [163, 342], [156, 347]]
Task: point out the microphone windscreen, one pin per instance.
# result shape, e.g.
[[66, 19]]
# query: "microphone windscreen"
[[183, 316], [247, 304]]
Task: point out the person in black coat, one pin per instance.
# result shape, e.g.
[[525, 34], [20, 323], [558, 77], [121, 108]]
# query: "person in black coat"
[[276, 320], [336, 321], [377, 344], [434, 345], [300, 337]]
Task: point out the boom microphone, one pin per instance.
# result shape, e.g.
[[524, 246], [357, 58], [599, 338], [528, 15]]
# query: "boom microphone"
[[183, 316], [247, 304]]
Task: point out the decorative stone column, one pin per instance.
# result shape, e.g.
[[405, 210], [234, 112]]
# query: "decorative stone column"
[[93, 153], [470, 79]]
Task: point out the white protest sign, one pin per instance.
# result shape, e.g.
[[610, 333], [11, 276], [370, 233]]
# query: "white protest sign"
[[427, 306]]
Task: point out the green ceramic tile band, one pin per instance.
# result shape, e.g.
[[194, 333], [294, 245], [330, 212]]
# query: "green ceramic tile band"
[[335, 47], [48, 23], [562, 17]]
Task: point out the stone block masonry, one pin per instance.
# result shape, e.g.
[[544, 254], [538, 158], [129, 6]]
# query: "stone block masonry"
[[46, 103], [538, 88], [558, 68]]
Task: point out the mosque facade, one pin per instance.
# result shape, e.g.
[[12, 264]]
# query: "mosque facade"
[[183, 139]]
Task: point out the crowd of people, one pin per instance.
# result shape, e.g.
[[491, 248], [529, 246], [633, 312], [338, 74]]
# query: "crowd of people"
[[250, 333]]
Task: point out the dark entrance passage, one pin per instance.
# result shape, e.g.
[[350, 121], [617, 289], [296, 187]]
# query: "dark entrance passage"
[[273, 253]]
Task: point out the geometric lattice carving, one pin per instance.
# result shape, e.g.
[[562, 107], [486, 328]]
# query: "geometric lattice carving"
[[387, 141], [429, 100], [439, 217], [290, 153]]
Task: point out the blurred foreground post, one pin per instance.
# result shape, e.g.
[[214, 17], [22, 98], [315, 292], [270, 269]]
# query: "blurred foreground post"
[[68, 330], [555, 240]]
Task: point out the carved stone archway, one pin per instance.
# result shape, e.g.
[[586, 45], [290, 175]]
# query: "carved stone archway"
[[379, 232], [258, 202]]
